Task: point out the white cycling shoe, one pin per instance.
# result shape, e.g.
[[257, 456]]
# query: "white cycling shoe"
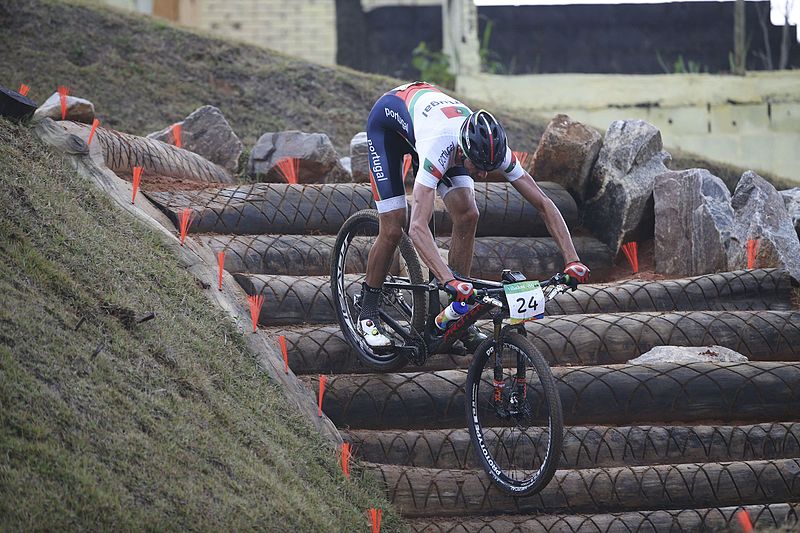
[[374, 334]]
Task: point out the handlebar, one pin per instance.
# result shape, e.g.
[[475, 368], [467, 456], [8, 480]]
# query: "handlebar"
[[489, 295]]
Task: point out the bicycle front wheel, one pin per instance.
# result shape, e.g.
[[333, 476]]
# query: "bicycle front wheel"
[[348, 270], [514, 415]]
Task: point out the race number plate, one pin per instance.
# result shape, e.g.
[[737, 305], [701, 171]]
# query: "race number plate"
[[525, 300]]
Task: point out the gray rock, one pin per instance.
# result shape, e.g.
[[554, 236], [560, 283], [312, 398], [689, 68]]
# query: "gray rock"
[[627, 144], [78, 109], [760, 213], [621, 209], [566, 153], [346, 164], [206, 132], [689, 354], [791, 198], [693, 222], [359, 157], [318, 160]]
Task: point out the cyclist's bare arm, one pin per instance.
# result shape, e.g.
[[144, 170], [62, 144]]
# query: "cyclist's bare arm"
[[530, 190], [420, 233]]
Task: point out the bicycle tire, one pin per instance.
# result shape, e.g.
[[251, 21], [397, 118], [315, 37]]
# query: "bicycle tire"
[[367, 219], [492, 460]]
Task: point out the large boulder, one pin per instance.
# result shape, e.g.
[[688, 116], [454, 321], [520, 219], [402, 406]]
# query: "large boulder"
[[359, 157], [693, 222], [78, 109], [318, 160], [760, 213], [566, 153], [207, 133], [791, 198], [620, 189]]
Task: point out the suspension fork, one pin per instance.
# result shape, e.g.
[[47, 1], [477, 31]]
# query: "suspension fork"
[[498, 381]]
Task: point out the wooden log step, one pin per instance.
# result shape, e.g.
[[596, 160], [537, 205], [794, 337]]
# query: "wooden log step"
[[662, 296], [265, 208], [763, 517], [503, 211], [575, 340], [658, 394], [741, 290], [432, 492], [614, 338], [310, 255], [584, 447], [321, 349], [293, 299]]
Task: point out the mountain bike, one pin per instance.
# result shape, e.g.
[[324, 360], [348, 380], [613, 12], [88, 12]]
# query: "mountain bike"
[[512, 404]]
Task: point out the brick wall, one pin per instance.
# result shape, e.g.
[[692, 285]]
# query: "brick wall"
[[303, 28]]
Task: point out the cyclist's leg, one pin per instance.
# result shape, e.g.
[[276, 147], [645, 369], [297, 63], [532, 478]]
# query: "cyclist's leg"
[[460, 203], [386, 150]]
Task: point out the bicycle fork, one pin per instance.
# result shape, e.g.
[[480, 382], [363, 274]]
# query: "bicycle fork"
[[518, 396]]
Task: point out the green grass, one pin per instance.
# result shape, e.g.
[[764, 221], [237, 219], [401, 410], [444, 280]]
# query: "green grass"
[[171, 425]]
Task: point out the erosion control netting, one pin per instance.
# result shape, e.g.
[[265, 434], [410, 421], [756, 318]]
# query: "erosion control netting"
[[596, 395], [310, 255], [584, 447], [677, 521], [123, 151], [576, 339], [425, 491], [265, 208]]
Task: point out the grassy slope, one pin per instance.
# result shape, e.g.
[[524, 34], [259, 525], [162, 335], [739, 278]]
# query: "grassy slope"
[[171, 425]]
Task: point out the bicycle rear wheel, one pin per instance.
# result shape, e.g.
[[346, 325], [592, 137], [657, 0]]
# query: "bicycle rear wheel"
[[516, 426], [348, 272]]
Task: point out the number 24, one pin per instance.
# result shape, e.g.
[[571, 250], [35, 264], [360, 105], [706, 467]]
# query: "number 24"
[[532, 304]]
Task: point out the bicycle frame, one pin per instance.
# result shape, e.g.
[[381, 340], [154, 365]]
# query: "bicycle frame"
[[442, 343]]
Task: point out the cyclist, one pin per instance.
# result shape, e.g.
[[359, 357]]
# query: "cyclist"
[[452, 146]]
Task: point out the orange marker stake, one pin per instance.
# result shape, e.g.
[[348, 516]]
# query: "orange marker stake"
[[62, 96], [255, 301], [346, 459], [23, 89], [95, 123], [137, 178], [322, 380], [221, 263], [289, 168], [752, 248], [375, 516], [406, 165], [186, 217], [744, 521], [631, 251], [177, 135], [282, 342]]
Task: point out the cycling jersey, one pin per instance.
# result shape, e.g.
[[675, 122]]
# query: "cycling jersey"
[[419, 119]]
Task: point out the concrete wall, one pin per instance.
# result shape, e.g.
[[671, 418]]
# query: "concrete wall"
[[751, 121], [302, 28]]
